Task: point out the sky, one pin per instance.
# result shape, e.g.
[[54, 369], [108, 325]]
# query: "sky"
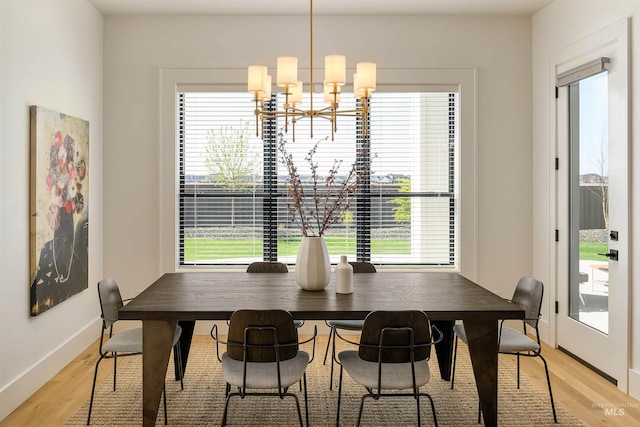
[[594, 125]]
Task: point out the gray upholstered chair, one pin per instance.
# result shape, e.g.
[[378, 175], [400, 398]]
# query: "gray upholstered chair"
[[123, 344], [528, 294], [393, 355], [263, 354], [347, 325]]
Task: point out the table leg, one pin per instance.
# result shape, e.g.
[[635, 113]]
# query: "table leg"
[[444, 349], [157, 340], [482, 336], [185, 345]]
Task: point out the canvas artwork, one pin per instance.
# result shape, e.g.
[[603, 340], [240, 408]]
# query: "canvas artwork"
[[59, 207]]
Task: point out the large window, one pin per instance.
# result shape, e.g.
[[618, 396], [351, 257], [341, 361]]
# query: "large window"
[[232, 184]]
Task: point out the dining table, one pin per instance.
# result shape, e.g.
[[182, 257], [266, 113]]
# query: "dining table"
[[446, 297]]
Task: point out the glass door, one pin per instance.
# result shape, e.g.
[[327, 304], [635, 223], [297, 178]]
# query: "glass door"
[[592, 258], [589, 203]]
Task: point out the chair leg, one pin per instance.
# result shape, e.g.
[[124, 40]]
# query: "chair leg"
[[333, 358], [164, 394], [553, 406], [180, 370], [518, 369], [417, 397], [306, 399], [326, 351], [453, 367], [433, 410], [226, 407], [339, 397], [364, 396], [93, 388], [115, 362], [299, 411]]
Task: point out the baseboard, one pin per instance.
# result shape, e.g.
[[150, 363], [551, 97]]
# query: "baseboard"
[[544, 327], [590, 366], [634, 383], [19, 390]]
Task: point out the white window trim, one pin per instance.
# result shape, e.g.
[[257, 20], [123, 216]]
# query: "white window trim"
[[464, 78]]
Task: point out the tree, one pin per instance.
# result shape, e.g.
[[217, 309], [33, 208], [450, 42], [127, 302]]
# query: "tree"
[[602, 191], [230, 160], [403, 204]]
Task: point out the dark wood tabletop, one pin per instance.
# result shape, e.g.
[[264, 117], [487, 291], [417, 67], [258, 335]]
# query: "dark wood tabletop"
[[183, 298], [214, 296]]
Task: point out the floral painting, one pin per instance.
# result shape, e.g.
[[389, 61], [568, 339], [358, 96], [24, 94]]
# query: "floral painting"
[[59, 208]]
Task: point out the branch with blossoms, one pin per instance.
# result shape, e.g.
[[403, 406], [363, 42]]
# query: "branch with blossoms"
[[316, 212]]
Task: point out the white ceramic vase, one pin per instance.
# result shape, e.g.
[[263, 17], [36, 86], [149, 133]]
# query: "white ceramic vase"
[[313, 266], [344, 276]]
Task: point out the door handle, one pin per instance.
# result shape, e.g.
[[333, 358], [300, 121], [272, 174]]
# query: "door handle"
[[612, 255]]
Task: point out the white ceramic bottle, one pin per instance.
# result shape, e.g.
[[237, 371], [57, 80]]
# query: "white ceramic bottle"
[[344, 276]]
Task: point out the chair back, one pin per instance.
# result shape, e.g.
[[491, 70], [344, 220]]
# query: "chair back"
[[528, 295], [257, 333], [362, 267], [393, 335], [110, 301], [267, 267]]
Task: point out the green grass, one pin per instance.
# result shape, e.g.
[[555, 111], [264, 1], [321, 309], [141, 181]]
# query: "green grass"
[[197, 249], [590, 251]]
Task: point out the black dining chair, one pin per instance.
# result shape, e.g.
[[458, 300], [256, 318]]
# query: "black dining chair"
[[393, 355], [123, 344], [347, 325], [528, 294], [263, 355], [267, 267]]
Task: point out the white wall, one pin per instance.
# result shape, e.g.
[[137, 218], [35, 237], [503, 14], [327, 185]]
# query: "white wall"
[[551, 33], [136, 47], [51, 55]]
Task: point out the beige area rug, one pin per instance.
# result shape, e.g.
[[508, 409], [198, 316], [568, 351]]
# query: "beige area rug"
[[202, 401]]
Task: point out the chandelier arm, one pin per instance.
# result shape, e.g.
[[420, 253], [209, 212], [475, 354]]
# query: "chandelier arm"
[[256, 113], [333, 127], [334, 107], [286, 108], [297, 112], [351, 113], [365, 117], [334, 124], [324, 111], [262, 129]]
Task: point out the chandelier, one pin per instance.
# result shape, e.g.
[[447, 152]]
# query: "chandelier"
[[259, 84]]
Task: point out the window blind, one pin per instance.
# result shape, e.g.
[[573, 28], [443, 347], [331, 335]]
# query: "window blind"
[[221, 181], [413, 188], [405, 214]]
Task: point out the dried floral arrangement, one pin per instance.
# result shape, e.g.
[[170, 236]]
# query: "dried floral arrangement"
[[314, 213]]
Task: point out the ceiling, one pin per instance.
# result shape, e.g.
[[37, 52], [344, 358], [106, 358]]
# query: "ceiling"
[[321, 7]]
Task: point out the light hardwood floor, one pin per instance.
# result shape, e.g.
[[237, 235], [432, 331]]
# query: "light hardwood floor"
[[581, 391]]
